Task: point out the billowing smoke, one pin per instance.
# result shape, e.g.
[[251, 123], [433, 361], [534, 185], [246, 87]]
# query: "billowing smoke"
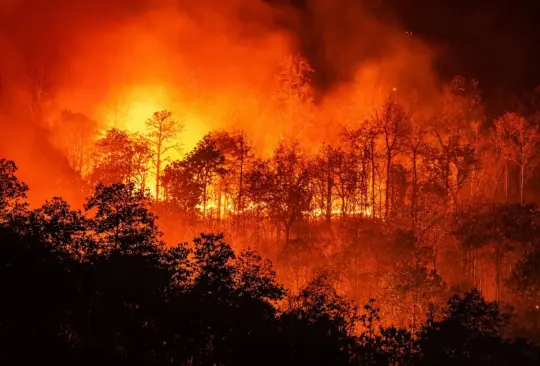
[[213, 63]]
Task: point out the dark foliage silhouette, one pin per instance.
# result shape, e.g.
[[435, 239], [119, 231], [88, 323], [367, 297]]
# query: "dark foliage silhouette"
[[99, 286]]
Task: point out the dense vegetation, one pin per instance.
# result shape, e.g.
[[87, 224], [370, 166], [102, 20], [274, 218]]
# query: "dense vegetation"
[[99, 286], [407, 203]]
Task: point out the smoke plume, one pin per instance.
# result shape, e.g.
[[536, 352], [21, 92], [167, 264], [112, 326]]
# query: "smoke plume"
[[212, 63]]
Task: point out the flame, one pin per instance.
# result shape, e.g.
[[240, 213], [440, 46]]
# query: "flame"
[[130, 109]]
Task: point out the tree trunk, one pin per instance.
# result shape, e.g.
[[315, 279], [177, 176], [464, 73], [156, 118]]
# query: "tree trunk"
[[240, 208], [521, 183], [373, 204], [218, 214], [387, 188], [158, 167], [158, 173], [329, 200], [506, 182], [414, 190], [498, 270], [365, 198], [204, 201]]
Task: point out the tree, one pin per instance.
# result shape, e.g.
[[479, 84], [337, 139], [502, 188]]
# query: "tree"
[[206, 162], [238, 154], [121, 221], [226, 313], [364, 141], [415, 146], [181, 186], [75, 135], [334, 175], [60, 228], [471, 333], [163, 137], [120, 158], [453, 158], [282, 185], [525, 279], [323, 181], [495, 165], [501, 228], [378, 345], [321, 324], [394, 124], [412, 290], [12, 192], [520, 143], [450, 164], [346, 178]]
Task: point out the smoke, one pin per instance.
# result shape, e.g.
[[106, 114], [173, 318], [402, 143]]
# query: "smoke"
[[212, 63]]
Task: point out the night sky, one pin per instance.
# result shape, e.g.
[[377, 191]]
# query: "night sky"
[[497, 42]]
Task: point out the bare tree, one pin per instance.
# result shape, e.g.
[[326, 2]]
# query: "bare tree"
[[415, 146], [521, 140], [394, 125], [238, 152], [162, 137], [364, 141], [75, 135]]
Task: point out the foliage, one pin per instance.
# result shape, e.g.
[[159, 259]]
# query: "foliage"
[[120, 220], [12, 192], [471, 333], [525, 279], [120, 158], [411, 291], [109, 292], [188, 182]]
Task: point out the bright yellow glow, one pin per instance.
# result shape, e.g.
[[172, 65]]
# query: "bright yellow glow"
[[130, 108]]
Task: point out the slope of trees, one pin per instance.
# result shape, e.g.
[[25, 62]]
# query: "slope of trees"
[[408, 201], [407, 184], [98, 285]]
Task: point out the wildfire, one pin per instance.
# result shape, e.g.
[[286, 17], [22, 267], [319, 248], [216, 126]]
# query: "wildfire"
[[129, 110]]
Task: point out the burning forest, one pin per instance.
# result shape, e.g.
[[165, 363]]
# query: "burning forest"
[[337, 146]]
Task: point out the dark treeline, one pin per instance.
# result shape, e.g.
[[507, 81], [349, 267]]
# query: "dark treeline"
[[98, 285]]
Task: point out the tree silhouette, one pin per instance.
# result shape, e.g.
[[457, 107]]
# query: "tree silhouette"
[[205, 163], [394, 124], [471, 333], [163, 136], [120, 220], [324, 322], [12, 192], [520, 139], [182, 186], [238, 155], [282, 185], [120, 158], [99, 285]]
